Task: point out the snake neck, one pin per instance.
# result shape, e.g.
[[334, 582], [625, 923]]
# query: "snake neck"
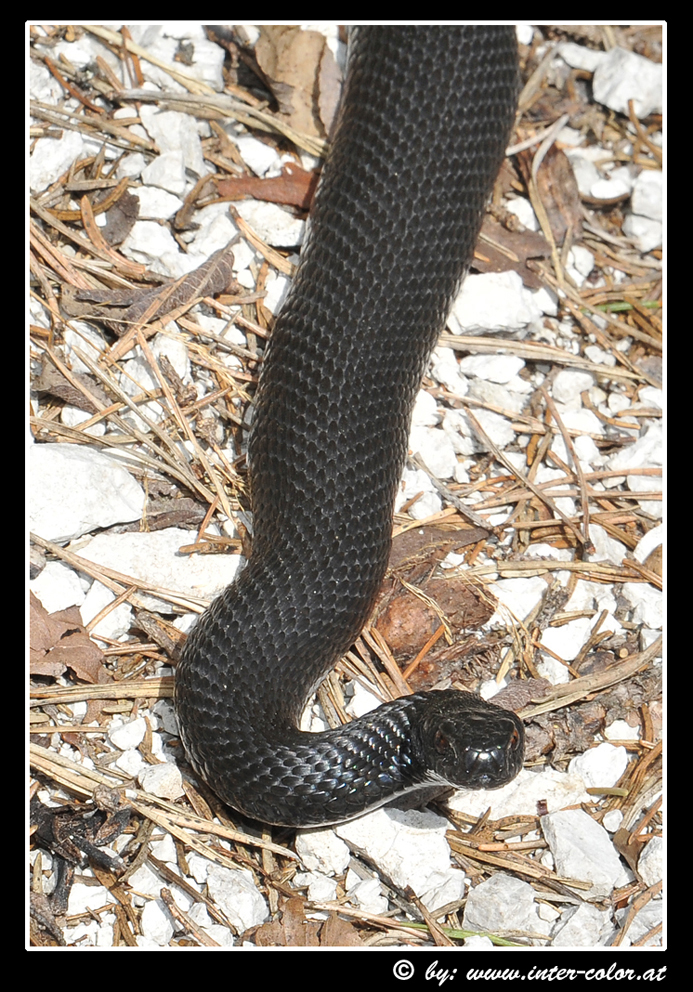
[[408, 748], [293, 778]]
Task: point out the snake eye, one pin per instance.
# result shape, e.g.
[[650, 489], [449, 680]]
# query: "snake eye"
[[440, 742], [515, 739]]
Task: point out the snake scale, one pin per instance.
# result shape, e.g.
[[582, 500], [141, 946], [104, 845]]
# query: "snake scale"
[[421, 133]]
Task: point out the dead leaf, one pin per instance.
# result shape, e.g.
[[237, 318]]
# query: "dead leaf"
[[408, 622], [291, 60], [629, 846], [295, 187], [59, 641], [558, 191], [121, 218], [121, 310], [431, 544], [53, 382], [337, 932], [501, 250], [294, 930]]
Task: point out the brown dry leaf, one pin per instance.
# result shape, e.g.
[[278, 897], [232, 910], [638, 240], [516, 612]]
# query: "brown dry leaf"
[[518, 694], [295, 187], [654, 560], [167, 508], [121, 310], [59, 641], [407, 622], [292, 60], [430, 544], [121, 218], [629, 846], [558, 191], [294, 930], [53, 382], [502, 250], [330, 81], [337, 932]]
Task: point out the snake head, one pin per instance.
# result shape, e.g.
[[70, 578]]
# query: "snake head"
[[468, 743]]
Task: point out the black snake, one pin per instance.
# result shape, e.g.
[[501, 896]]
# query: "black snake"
[[425, 119]]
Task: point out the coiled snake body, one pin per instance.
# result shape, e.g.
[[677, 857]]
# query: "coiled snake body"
[[421, 134]]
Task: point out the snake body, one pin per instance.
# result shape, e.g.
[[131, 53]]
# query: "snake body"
[[421, 133]]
